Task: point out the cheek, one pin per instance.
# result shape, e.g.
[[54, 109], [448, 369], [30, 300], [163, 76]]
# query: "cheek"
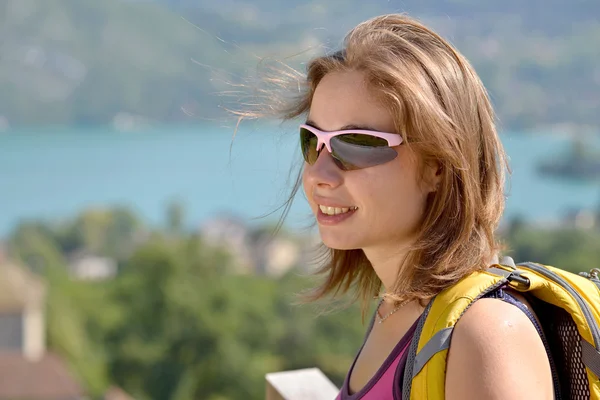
[[395, 197], [306, 187]]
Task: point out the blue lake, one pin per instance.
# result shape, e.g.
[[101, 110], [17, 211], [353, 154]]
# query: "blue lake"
[[57, 173]]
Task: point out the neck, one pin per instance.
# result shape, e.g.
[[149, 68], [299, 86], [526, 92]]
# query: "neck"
[[387, 261]]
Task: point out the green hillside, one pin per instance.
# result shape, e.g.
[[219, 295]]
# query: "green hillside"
[[89, 61], [84, 61]]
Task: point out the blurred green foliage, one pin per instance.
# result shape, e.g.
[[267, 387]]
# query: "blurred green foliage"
[[178, 323], [567, 248]]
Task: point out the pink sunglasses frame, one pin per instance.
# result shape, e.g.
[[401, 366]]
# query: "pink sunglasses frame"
[[324, 138]]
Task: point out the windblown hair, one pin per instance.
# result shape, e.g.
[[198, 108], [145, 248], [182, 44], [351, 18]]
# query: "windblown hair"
[[442, 110]]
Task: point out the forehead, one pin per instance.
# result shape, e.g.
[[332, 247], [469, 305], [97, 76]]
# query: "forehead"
[[344, 98]]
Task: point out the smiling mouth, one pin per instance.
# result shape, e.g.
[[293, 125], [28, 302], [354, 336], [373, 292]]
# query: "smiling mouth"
[[336, 210]]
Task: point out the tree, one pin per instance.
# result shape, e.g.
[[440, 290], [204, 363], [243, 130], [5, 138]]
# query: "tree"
[[175, 217]]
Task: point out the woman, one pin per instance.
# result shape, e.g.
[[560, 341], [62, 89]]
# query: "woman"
[[404, 172]]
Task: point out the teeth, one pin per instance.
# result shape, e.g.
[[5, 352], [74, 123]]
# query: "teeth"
[[335, 210]]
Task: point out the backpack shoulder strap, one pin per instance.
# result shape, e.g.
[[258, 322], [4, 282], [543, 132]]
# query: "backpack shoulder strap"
[[425, 371]]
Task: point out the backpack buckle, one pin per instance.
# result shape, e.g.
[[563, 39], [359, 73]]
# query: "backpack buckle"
[[513, 276], [518, 281]]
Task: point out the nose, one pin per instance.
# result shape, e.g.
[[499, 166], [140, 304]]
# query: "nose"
[[323, 173]]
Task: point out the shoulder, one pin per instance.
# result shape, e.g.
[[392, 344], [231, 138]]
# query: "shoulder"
[[496, 353]]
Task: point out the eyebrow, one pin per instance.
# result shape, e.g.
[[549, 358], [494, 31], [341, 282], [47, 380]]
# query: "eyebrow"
[[345, 127]]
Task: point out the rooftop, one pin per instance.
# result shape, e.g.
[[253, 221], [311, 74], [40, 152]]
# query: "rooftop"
[[48, 378]]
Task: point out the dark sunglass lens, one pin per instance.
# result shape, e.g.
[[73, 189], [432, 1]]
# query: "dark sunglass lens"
[[358, 151], [363, 140], [308, 143]]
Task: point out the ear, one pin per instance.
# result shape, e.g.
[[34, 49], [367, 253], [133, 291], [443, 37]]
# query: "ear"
[[433, 176]]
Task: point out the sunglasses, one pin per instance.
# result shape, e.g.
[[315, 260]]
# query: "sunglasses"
[[350, 149]]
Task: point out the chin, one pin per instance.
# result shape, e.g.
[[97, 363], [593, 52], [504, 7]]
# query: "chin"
[[339, 242]]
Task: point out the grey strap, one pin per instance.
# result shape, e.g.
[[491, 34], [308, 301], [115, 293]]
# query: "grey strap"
[[508, 261], [500, 272], [590, 357], [440, 341], [412, 353]]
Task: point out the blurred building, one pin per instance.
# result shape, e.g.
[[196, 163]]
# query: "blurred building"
[[230, 234], [273, 256], [27, 370], [86, 266], [253, 250], [581, 219]]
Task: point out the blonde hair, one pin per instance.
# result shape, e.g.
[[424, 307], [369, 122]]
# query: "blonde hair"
[[443, 112]]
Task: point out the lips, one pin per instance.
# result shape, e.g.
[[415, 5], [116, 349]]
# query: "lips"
[[335, 210], [325, 219], [330, 211]]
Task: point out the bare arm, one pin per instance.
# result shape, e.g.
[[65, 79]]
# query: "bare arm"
[[496, 353]]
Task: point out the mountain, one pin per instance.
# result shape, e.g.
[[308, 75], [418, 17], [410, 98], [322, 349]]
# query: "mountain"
[[90, 61], [87, 61]]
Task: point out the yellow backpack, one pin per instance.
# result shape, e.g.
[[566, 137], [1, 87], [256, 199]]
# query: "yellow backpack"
[[568, 306]]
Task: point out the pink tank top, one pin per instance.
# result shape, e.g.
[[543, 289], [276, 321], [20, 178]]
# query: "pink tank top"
[[385, 384]]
